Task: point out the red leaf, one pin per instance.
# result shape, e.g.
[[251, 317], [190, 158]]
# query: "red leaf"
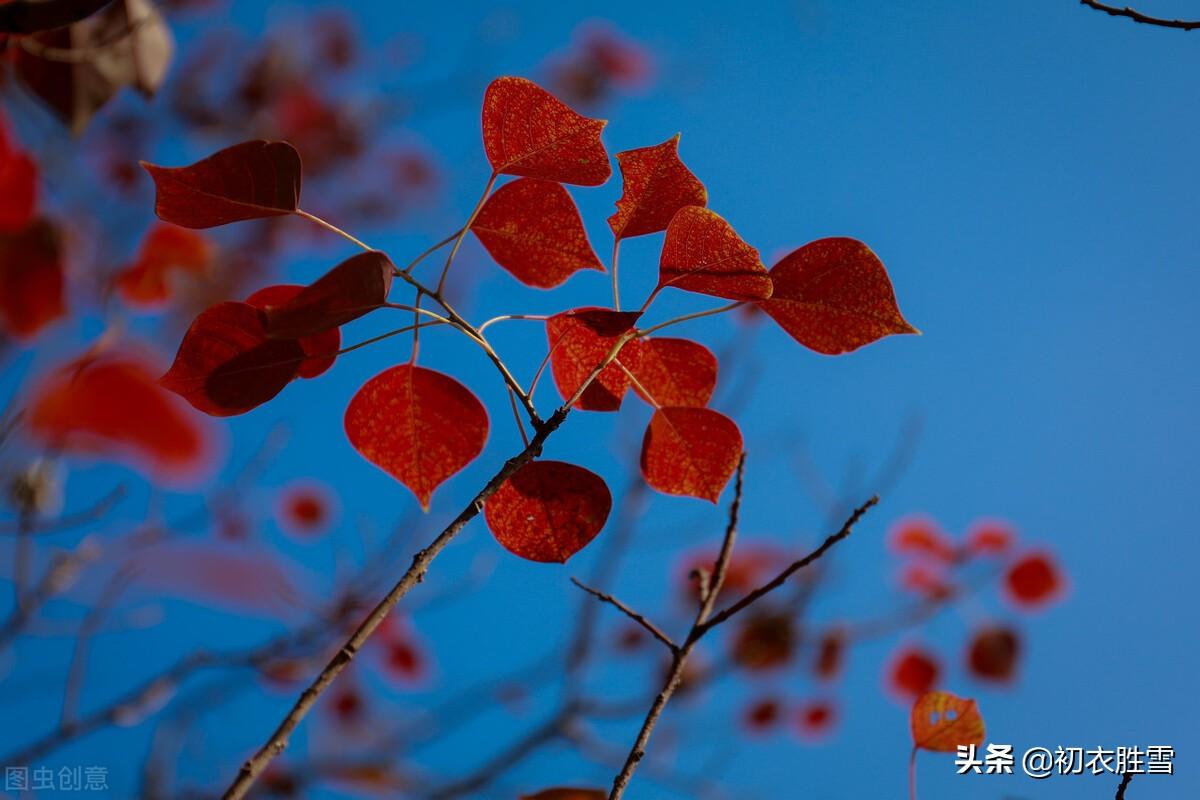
[[761, 715], [993, 652], [702, 253], [765, 640], [532, 229], [548, 510], [1033, 580], [942, 722], [321, 349], [675, 372], [990, 537], [831, 654], [528, 132], [656, 185], [110, 405], [417, 425], [31, 279], [250, 180], [355, 287], [833, 296], [236, 578], [815, 718], [165, 249], [690, 451], [920, 535], [305, 509], [580, 340], [913, 672], [226, 365], [18, 184]]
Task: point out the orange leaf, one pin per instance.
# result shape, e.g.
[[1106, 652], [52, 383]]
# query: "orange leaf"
[[532, 229], [355, 287], [321, 349], [226, 365], [527, 131], [656, 185], [702, 253], [690, 451], [580, 340], [564, 793], [31, 279], [833, 296], [110, 405], [417, 425], [675, 372], [548, 510], [941, 722], [250, 180]]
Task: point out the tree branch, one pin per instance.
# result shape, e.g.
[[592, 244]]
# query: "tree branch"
[[650, 627], [1137, 16]]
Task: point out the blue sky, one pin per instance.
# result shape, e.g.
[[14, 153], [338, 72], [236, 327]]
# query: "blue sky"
[[1026, 171]]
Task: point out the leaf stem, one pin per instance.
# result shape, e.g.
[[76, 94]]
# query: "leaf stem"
[[487, 189], [334, 229], [615, 284], [688, 317]]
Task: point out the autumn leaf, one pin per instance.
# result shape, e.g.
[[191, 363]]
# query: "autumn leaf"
[[702, 253], [993, 652], [1033, 580], [18, 184], [167, 249], [563, 793], [690, 451], [532, 228], [656, 186], [920, 535], [675, 372], [321, 348], [246, 181], [580, 340], [833, 296], [529, 132], [941, 722], [32, 287], [226, 364], [548, 510], [419, 426], [913, 672], [355, 287], [305, 509], [110, 405]]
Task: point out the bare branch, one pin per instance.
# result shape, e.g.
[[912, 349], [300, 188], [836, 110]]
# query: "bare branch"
[[1125, 780], [1137, 16], [640, 619]]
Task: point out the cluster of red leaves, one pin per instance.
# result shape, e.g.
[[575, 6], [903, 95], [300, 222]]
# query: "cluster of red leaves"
[[422, 426], [808, 719]]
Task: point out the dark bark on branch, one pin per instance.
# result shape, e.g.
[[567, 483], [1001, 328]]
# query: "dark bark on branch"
[[1137, 16]]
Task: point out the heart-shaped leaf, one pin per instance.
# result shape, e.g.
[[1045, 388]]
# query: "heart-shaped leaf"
[[527, 131], [226, 364], [250, 180], [833, 296], [320, 348], [702, 253], [941, 722], [532, 228], [548, 510], [690, 451], [580, 340], [417, 425], [675, 372], [656, 186], [355, 287]]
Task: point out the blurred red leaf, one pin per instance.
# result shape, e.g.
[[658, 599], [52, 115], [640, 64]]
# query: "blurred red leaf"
[[913, 672], [941, 722], [305, 509], [548, 510], [702, 253], [675, 372], [226, 365], [749, 567], [529, 132], [920, 535], [532, 228], [764, 640], [110, 405], [18, 183], [31, 279], [236, 578], [833, 296], [926, 579], [580, 339], [567, 794], [761, 715], [690, 451], [993, 652], [419, 426], [321, 349], [815, 718], [1033, 580], [656, 186], [831, 654], [250, 180], [990, 537], [355, 287], [166, 248]]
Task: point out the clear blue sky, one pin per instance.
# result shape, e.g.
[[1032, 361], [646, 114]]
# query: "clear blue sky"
[[1027, 172]]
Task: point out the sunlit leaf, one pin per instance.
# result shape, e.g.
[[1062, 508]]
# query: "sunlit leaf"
[[528, 132], [532, 229], [675, 372], [250, 180], [702, 253], [419, 426], [690, 451], [833, 296], [31, 279], [656, 186], [321, 349], [579, 341], [548, 510], [942, 722], [355, 287]]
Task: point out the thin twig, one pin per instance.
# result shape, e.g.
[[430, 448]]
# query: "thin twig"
[[1125, 780], [640, 619], [1137, 16]]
